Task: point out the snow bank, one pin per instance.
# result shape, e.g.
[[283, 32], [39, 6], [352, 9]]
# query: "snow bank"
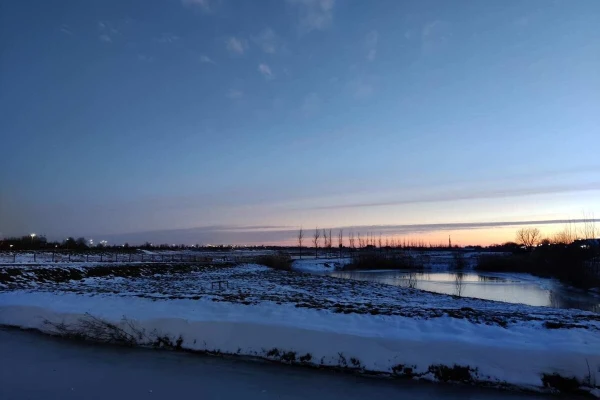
[[517, 356], [320, 264]]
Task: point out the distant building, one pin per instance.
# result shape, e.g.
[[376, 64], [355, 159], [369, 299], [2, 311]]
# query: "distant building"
[[587, 243]]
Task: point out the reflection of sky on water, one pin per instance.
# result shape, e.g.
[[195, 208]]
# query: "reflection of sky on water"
[[512, 288]]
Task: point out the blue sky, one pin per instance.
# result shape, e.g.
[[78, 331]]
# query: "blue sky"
[[129, 117]]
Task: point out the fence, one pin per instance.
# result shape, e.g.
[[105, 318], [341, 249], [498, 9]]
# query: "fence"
[[62, 257]]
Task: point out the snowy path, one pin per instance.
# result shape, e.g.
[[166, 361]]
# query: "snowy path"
[[35, 366]]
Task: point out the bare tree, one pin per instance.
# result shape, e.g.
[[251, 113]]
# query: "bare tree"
[[300, 238], [351, 239], [589, 227], [380, 240], [316, 237], [330, 242], [341, 240], [528, 237], [325, 241], [458, 283], [360, 241], [567, 236]]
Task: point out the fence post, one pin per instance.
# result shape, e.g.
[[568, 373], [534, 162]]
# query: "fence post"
[[142, 258], [116, 257], [14, 257], [87, 257], [34, 258], [129, 257], [69, 257], [53, 256], [101, 255]]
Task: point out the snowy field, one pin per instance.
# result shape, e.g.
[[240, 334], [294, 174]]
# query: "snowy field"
[[295, 317], [137, 256]]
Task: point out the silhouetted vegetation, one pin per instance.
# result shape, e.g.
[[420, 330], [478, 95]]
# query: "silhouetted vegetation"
[[571, 264], [372, 260], [281, 262]]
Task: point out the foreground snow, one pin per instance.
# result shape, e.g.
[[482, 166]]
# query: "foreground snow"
[[326, 321]]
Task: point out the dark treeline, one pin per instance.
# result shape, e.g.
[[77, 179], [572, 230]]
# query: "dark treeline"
[[573, 264]]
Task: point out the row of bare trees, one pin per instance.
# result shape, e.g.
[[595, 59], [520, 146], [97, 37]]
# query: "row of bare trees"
[[323, 238], [532, 237]]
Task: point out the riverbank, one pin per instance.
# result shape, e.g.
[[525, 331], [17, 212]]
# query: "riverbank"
[[65, 369], [320, 321]]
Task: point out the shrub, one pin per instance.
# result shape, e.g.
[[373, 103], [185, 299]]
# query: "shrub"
[[281, 262], [566, 263], [373, 260], [458, 260], [456, 373]]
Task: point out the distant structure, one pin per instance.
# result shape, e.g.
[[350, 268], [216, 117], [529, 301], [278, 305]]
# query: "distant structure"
[[449, 242], [587, 243]]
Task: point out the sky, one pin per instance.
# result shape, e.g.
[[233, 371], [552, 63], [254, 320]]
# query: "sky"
[[237, 122]]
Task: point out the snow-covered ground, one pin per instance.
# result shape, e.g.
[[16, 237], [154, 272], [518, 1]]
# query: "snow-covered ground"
[[320, 320], [114, 256]]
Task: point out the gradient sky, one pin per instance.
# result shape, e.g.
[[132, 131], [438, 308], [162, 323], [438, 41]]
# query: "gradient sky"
[[190, 121]]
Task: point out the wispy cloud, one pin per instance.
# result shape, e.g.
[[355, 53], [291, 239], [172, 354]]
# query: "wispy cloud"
[[145, 58], [204, 5], [66, 30], [265, 70], [235, 94], [314, 14], [236, 46], [107, 32], [311, 104], [521, 22], [474, 194], [434, 35], [371, 44], [268, 41], [167, 38], [206, 59], [361, 88], [224, 234]]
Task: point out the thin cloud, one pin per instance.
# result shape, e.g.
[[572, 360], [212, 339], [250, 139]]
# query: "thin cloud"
[[206, 59], [66, 30], [361, 89], [204, 5], [311, 104], [265, 70], [236, 46], [108, 33], [314, 15], [145, 58], [457, 226], [167, 38], [268, 41], [434, 35], [371, 44], [235, 94], [282, 234], [472, 195]]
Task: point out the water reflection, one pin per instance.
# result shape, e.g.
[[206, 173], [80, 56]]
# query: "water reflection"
[[512, 288]]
